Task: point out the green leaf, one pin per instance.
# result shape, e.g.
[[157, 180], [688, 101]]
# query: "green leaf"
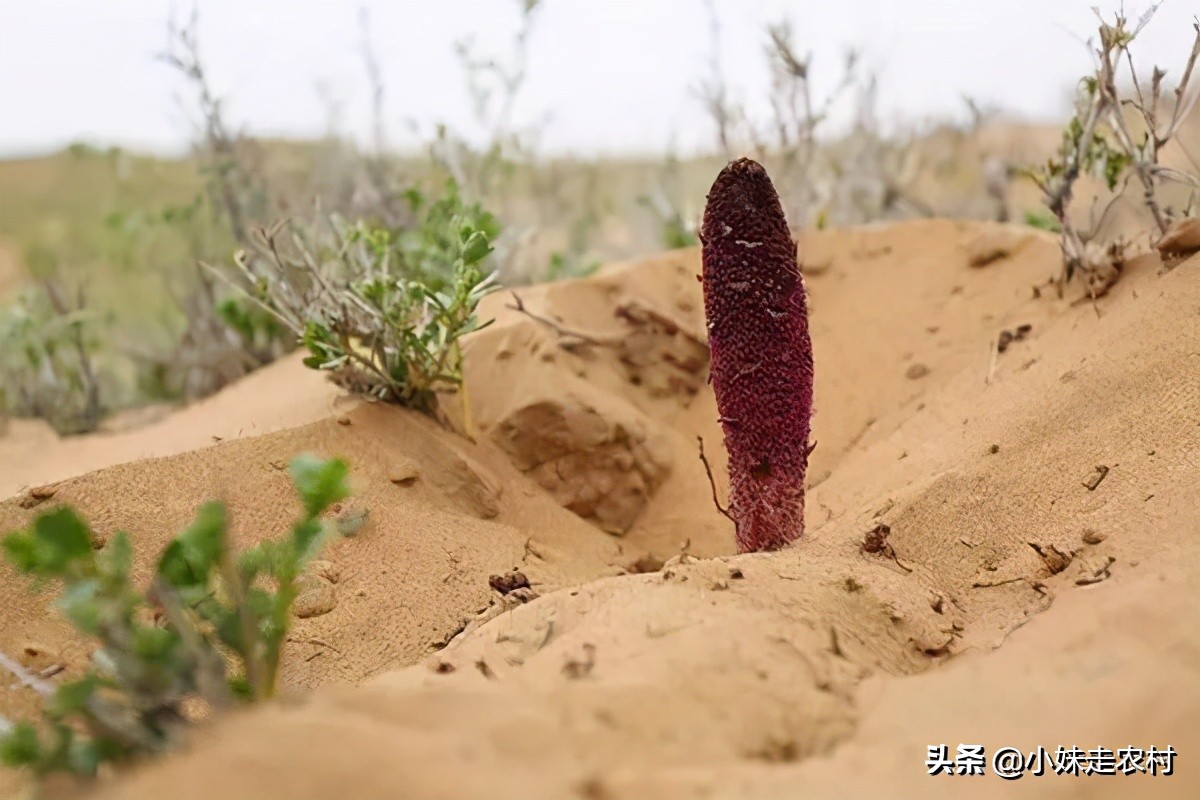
[[154, 644], [80, 602], [229, 629], [21, 747], [73, 697], [21, 551], [320, 483], [476, 248], [241, 688], [256, 560], [260, 602], [414, 197], [84, 757], [307, 537], [57, 540], [1043, 221], [189, 559], [116, 559]]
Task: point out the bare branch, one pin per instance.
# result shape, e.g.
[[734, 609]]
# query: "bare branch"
[[599, 340], [91, 385], [711, 482]]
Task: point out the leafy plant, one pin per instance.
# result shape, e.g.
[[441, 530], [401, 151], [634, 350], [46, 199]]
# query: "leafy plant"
[[428, 250], [1045, 222], [261, 333], [382, 310], [569, 265], [206, 606], [1118, 138], [675, 232], [856, 177], [46, 360], [233, 185]]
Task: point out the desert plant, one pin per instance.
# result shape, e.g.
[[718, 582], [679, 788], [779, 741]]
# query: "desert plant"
[[380, 178], [1042, 221], [677, 227], [381, 310], [762, 368], [861, 176], [494, 84], [207, 605], [234, 186], [223, 340], [500, 163], [1117, 137], [47, 352]]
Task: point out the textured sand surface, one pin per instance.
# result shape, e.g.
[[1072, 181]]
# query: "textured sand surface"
[[283, 395], [818, 671]]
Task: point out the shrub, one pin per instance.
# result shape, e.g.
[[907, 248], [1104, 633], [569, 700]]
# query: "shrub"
[[382, 310], [1117, 136], [46, 360], [207, 605]]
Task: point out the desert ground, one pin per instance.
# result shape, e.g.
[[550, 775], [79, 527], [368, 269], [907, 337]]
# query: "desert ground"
[[1037, 585]]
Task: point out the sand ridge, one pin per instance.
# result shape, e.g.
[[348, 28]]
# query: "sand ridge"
[[810, 672]]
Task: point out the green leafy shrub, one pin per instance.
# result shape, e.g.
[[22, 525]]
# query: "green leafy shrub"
[[428, 250], [1041, 221], [262, 335], [207, 606], [1117, 136], [570, 265], [675, 232], [381, 309], [46, 360]]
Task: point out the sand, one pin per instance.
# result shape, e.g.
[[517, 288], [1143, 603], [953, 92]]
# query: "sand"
[[1015, 602]]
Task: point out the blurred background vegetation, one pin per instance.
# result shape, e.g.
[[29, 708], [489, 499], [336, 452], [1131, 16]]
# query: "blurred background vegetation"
[[117, 286]]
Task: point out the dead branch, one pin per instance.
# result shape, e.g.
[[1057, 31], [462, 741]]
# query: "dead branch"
[[1100, 138], [599, 340], [230, 180], [711, 482], [91, 386]]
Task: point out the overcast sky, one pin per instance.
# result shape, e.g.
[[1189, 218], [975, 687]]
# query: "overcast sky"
[[609, 75]]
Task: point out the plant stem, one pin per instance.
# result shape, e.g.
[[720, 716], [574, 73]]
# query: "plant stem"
[[283, 603], [210, 667], [237, 593]]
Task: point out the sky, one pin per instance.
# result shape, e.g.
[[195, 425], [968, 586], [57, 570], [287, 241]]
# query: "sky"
[[604, 76]]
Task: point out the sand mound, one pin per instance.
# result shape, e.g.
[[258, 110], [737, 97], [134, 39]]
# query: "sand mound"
[[1048, 488], [283, 395]]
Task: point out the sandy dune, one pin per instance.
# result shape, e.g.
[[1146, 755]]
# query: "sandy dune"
[[284, 395], [819, 671]]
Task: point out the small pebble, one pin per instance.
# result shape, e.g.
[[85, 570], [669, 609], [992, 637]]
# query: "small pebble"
[[350, 519], [403, 473], [315, 601]]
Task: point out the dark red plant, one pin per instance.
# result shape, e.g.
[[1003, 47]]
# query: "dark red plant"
[[762, 365]]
